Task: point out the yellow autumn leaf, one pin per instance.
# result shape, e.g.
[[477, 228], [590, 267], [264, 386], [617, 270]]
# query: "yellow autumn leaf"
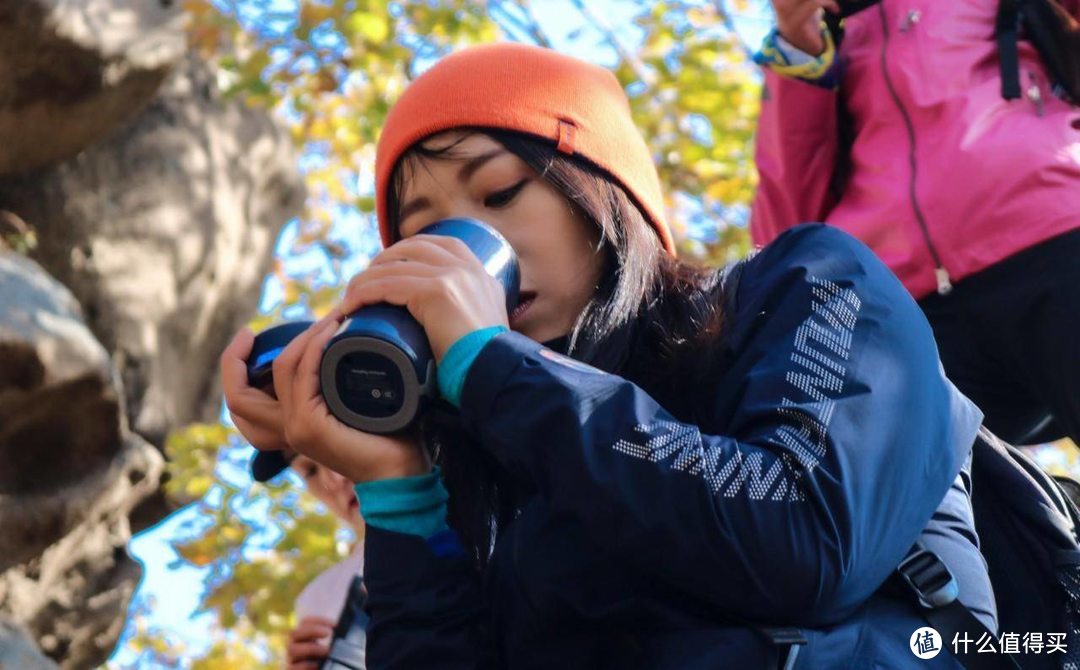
[[375, 27]]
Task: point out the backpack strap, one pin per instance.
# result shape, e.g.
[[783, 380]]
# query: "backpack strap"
[[1006, 32], [785, 644], [936, 590]]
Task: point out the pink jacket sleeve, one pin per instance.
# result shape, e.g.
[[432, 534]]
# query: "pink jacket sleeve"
[[795, 151]]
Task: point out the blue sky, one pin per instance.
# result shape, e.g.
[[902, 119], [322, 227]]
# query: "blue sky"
[[169, 593]]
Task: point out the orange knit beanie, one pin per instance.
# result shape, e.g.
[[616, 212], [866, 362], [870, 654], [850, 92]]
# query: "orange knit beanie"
[[577, 106]]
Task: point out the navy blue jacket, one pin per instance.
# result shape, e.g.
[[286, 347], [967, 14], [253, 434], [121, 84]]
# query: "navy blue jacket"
[[832, 442]]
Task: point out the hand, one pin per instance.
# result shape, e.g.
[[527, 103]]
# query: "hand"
[[256, 413], [307, 643], [440, 281], [799, 22], [310, 429]]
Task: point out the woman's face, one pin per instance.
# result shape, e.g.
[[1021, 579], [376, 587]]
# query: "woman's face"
[[557, 249], [330, 488]]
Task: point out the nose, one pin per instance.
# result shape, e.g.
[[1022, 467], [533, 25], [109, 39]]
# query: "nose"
[[337, 483]]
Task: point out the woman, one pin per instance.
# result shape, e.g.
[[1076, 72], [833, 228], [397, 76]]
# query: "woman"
[[901, 136], [319, 605], [689, 459]]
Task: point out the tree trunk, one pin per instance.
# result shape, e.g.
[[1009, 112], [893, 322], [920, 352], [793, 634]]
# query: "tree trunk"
[[156, 206]]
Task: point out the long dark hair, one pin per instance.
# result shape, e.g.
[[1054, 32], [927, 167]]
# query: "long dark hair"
[[653, 319]]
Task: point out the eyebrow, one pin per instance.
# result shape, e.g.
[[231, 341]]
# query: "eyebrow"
[[468, 169]]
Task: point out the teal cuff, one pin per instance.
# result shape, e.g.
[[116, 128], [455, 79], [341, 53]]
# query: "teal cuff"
[[459, 358], [411, 505]]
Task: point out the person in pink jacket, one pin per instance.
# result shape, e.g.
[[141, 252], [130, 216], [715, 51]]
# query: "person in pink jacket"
[[901, 136]]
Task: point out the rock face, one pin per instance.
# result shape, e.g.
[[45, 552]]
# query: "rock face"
[[73, 471], [71, 71], [155, 205], [164, 233]]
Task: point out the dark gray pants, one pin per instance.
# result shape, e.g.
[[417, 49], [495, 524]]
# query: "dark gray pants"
[[1009, 339]]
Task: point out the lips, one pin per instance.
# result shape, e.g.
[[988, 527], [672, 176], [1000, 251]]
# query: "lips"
[[525, 301]]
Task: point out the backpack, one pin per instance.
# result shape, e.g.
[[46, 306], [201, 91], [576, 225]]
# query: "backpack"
[[1053, 32], [1027, 522]]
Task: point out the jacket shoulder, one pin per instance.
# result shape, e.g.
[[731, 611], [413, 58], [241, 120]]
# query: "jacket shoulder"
[[812, 253]]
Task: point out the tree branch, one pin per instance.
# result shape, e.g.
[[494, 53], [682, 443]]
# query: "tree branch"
[[528, 25], [729, 25], [640, 69]]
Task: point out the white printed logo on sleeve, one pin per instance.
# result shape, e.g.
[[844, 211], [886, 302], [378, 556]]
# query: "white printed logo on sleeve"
[[566, 361]]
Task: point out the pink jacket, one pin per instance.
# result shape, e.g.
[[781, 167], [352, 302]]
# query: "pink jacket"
[[947, 176]]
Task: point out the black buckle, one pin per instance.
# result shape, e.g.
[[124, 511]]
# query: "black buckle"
[[788, 641], [783, 637], [929, 578]]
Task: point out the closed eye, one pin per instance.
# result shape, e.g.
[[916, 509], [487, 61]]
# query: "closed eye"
[[503, 198]]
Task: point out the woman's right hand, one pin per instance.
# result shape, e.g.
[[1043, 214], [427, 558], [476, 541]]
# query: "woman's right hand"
[[308, 646], [296, 416], [799, 22], [256, 413], [312, 430]]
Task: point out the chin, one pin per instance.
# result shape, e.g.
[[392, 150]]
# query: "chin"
[[535, 334]]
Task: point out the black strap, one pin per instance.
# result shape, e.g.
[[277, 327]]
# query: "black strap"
[[849, 7], [1006, 32], [936, 591], [834, 23], [784, 646], [955, 618]]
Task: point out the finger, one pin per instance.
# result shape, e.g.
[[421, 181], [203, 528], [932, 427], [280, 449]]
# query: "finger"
[[262, 439], [306, 385], [311, 632], [433, 249], [255, 405], [233, 360], [451, 245], [305, 665], [321, 624], [424, 249], [306, 413], [390, 271], [243, 400], [307, 651], [803, 13], [285, 364], [394, 290], [298, 652]]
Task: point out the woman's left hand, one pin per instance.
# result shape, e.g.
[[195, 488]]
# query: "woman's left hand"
[[440, 281]]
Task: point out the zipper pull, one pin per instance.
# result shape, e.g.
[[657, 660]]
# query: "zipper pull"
[[944, 284], [910, 20], [1034, 94]]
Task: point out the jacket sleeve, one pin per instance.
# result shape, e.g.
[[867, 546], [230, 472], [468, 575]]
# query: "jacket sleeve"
[[842, 437], [424, 604], [795, 151]]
